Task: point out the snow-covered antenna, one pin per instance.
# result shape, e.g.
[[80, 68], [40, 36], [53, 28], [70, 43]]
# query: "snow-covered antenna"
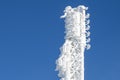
[[70, 64]]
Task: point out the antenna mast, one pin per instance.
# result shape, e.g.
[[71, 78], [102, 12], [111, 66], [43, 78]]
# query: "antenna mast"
[[70, 63]]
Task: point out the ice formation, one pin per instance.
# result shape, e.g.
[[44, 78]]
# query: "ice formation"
[[70, 63]]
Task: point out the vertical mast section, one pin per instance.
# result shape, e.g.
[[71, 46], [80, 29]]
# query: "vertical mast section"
[[70, 63]]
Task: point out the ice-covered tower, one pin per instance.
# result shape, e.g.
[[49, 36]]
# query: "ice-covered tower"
[[70, 63]]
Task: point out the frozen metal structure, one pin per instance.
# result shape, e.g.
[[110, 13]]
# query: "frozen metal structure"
[[70, 63]]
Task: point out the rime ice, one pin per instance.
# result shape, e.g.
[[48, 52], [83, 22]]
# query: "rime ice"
[[70, 63]]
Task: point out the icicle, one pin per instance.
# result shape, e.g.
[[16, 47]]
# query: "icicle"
[[87, 27], [87, 34], [63, 15], [87, 40], [88, 46], [87, 15], [87, 22]]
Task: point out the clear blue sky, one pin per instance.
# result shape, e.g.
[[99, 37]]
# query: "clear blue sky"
[[31, 33]]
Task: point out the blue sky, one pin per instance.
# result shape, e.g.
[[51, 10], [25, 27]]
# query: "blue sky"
[[31, 33]]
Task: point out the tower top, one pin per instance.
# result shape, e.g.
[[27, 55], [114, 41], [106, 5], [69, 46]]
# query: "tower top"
[[69, 9]]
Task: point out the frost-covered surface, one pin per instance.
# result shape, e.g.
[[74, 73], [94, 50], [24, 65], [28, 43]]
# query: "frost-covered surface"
[[70, 63]]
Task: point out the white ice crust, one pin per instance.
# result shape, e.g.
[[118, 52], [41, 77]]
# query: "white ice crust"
[[70, 63]]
